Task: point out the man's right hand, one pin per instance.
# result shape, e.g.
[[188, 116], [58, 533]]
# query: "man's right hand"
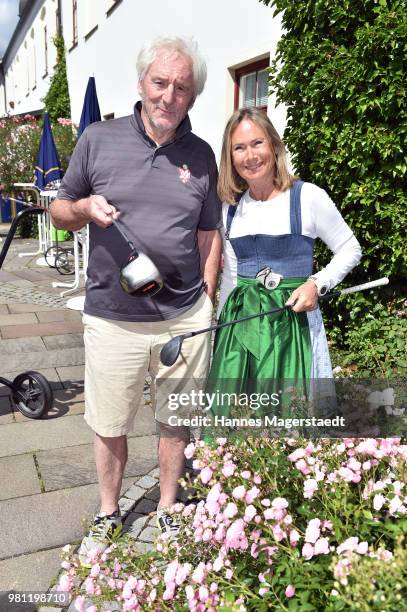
[[97, 209]]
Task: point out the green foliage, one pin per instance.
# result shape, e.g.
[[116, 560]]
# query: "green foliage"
[[57, 101], [378, 344], [339, 71]]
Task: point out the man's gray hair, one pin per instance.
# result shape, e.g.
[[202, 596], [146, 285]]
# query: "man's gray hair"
[[184, 45]]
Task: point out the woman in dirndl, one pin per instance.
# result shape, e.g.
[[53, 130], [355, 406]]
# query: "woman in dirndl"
[[271, 220]]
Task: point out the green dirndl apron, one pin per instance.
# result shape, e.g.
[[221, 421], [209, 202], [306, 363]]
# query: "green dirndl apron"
[[262, 354]]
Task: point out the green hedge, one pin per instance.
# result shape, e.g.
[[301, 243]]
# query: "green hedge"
[[339, 72]]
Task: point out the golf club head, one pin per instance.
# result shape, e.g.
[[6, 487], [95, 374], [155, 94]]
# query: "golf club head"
[[139, 276], [170, 351]]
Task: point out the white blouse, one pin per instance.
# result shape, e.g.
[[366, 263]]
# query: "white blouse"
[[320, 219]]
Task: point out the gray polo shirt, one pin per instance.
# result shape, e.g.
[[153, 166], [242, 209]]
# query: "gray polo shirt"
[[164, 193]]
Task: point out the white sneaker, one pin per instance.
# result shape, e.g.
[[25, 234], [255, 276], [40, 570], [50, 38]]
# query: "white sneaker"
[[167, 523], [104, 527]]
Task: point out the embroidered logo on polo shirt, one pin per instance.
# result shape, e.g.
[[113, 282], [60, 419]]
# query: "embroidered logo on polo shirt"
[[184, 173]]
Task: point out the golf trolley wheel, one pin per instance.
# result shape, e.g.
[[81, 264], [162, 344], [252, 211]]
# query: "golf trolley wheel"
[[65, 262], [50, 255], [32, 394]]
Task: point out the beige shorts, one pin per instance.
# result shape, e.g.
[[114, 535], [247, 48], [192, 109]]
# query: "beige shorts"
[[121, 354]]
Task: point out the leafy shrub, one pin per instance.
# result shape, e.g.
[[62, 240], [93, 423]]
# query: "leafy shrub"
[[339, 71], [283, 524], [57, 101]]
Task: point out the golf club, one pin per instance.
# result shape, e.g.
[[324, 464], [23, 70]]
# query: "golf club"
[[139, 276], [171, 350]]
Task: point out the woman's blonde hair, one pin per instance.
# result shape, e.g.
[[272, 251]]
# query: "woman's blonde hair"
[[230, 184]]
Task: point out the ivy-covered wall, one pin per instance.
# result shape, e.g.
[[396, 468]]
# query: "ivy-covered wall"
[[339, 71]]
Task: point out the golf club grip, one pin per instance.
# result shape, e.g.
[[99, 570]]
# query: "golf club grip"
[[377, 283]]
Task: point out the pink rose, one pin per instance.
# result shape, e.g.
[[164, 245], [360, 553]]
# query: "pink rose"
[[294, 537], [228, 469], [230, 510], [290, 591], [239, 492], [206, 474], [312, 532], [280, 503], [251, 495], [310, 486], [321, 547], [307, 551]]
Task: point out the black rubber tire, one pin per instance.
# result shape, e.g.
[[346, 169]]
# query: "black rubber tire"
[[50, 255], [65, 262], [36, 384]]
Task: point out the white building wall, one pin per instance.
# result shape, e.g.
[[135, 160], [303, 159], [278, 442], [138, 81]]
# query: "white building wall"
[[230, 33], [32, 62]]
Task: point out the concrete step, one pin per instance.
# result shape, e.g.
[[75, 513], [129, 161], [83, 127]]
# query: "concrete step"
[[37, 360]]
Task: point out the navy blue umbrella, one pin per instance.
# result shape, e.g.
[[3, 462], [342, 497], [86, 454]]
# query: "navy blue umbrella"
[[48, 166], [90, 109]]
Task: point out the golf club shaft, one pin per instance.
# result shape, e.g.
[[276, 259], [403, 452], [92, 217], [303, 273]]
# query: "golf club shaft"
[[327, 296], [25, 203], [121, 231]]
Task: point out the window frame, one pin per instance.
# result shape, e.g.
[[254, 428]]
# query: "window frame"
[[256, 66]]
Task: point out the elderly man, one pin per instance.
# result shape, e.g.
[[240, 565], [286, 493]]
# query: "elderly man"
[[152, 175]]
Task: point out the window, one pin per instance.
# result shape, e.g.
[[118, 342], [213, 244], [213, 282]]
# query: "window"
[[45, 52], [251, 85], [74, 23]]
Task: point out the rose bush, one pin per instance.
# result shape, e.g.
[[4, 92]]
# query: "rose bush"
[[282, 524], [19, 143]]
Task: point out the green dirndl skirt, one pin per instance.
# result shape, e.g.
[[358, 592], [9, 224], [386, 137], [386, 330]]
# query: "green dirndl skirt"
[[262, 354]]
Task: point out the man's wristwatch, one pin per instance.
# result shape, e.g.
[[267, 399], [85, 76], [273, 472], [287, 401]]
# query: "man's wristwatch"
[[322, 288]]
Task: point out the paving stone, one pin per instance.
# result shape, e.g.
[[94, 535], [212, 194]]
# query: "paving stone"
[[71, 374], [70, 395], [145, 506], [149, 534], [154, 494], [126, 505], [6, 277], [41, 329], [63, 341], [155, 473], [134, 523], [20, 282], [18, 319], [55, 518], [19, 308], [18, 477], [21, 345], [19, 438], [59, 315], [58, 410], [47, 359], [29, 275], [6, 411], [75, 465], [33, 572], [146, 482], [135, 492]]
